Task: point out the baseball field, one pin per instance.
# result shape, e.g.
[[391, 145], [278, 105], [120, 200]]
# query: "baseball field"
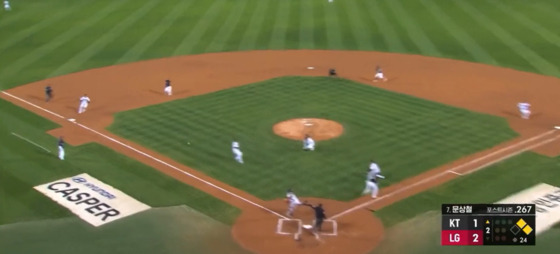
[[158, 171]]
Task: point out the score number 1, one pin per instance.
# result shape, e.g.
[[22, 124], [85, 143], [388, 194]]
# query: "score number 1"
[[476, 233]]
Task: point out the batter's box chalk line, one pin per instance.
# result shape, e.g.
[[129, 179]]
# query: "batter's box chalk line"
[[280, 227]]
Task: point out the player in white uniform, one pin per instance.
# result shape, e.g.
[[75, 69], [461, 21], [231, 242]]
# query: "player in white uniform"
[[168, 88], [379, 75], [524, 109], [371, 180], [238, 155], [308, 143], [7, 5], [293, 202], [84, 102], [61, 148]]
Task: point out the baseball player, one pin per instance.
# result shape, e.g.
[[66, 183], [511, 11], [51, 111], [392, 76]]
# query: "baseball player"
[[84, 102], [371, 180], [293, 202], [376, 170], [48, 93], [319, 218], [308, 143], [379, 75], [7, 5], [61, 148], [168, 89], [524, 109], [238, 155], [332, 72]]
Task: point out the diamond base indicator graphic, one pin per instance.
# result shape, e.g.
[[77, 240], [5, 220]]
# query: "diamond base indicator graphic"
[[488, 224]]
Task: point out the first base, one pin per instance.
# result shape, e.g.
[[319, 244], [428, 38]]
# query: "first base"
[[307, 226], [71, 119], [557, 127]]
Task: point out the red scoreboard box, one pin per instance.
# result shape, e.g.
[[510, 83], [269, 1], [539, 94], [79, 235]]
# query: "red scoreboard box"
[[462, 237]]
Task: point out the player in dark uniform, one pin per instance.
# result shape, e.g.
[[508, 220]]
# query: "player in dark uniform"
[[332, 73], [319, 218], [48, 93]]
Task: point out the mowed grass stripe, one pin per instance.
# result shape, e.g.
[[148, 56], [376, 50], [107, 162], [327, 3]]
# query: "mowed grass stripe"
[[306, 25], [76, 62], [359, 30], [155, 33], [22, 16], [414, 31], [390, 35], [320, 27], [333, 29], [534, 59], [225, 32], [477, 52], [347, 33], [371, 26], [51, 20], [233, 42], [550, 36], [255, 26], [23, 62], [280, 28], [193, 38], [294, 25], [547, 10], [267, 28]]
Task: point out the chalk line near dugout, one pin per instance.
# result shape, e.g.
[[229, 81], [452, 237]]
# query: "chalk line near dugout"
[[31, 142]]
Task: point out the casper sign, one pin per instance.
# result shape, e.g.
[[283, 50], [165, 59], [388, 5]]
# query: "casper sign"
[[91, 200]]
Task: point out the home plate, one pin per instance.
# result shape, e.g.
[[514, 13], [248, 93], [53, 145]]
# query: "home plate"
[[307, 226], [72, 120]]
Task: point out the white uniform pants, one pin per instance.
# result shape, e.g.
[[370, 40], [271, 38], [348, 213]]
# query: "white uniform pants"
[[238, 155], [61, 152]]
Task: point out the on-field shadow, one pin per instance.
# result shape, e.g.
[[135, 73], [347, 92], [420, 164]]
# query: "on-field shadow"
[[174, 92], [517, 114], [371, 80], [38, 97]]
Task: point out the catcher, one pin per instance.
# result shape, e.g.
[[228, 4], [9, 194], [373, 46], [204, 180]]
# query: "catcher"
[[319, 218]]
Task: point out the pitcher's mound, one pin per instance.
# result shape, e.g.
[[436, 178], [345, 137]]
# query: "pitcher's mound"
[[318, 129]]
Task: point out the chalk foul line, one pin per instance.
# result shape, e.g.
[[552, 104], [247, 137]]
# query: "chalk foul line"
[[31, 142], [150, 157]]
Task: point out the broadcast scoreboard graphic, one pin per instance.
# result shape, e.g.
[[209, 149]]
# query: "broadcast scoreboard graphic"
[[488, 224]]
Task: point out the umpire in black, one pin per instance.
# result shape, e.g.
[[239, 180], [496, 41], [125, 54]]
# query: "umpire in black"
[[319, 218]]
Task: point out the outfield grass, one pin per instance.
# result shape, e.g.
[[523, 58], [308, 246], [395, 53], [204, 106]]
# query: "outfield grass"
[[24, 165], [38, 40], [486, 186], [406, 135]]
